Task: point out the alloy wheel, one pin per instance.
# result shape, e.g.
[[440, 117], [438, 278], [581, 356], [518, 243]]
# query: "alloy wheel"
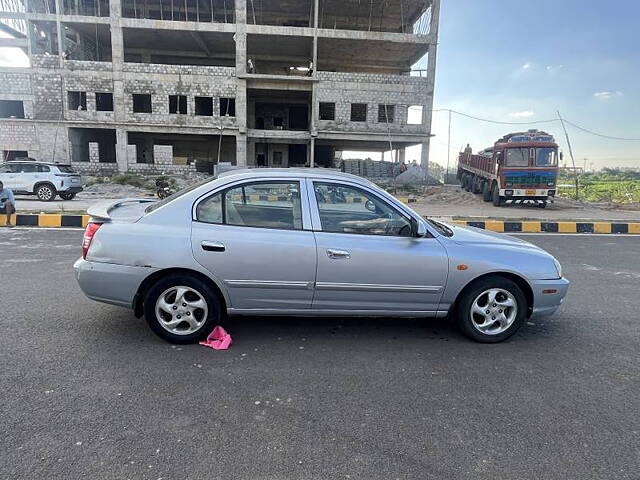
[[181, 310], [493, 311]]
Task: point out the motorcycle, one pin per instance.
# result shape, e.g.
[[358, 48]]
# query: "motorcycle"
[[163, 188]]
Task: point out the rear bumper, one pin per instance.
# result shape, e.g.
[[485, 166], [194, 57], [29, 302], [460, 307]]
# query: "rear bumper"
[[547, 303], [71, 190], [110, 283]]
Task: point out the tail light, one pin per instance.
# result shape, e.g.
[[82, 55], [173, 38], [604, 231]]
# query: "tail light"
[[89, 233]]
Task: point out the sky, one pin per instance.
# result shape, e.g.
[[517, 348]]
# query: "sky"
[[521, 61]]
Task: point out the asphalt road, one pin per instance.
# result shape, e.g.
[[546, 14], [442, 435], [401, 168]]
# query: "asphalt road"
[[87, 391]]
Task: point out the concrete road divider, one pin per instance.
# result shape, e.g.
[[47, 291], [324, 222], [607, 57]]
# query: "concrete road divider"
[[526, 226], [508, 226], [48, 220]]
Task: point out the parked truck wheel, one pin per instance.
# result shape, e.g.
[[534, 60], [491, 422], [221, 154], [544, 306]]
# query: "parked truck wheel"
[[497, 200], [477, 186], [468, 183], [486, 192]]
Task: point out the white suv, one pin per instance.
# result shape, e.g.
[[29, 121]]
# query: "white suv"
[[45, 180]]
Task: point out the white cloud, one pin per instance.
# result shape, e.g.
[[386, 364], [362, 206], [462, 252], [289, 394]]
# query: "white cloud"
[[607, 95], [526, 66], [554, 68], [523, 114]]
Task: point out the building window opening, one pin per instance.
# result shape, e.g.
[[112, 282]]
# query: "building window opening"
[[178, 104], [414, 115], [11, 109], [386, 113], [358, 112], [327, 111], [204, 106], [227, 107], [104, 102], [77, 100], [141, 103]]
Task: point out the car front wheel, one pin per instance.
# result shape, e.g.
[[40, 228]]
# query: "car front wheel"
[[491, 310], [181, 308], [45, 193]]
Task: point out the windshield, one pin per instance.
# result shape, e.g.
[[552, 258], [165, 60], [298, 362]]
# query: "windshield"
[[178, 194], [546, 157], [517, 157]]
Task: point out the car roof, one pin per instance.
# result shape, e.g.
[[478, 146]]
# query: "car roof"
[[38, 162], [292, 172]]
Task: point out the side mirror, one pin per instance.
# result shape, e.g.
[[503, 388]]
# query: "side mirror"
[[418, 229]]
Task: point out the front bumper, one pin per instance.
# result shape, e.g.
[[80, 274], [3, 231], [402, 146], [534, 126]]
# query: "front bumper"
[[110, 283], [547, 303], [527, 192]]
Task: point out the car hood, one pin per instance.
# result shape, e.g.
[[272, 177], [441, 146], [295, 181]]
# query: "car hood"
[[478, 236]]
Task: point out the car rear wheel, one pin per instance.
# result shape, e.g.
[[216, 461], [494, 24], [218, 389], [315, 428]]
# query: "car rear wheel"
[[491, 310], [67, 196], [181, 308], [45, 192]]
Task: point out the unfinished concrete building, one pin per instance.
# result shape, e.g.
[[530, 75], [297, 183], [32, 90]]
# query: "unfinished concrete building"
[[179, 85]]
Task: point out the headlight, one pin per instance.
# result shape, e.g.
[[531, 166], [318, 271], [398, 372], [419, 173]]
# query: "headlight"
[[558, 267]]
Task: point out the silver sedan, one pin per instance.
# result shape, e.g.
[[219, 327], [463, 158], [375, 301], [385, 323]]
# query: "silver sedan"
[[306, 242]]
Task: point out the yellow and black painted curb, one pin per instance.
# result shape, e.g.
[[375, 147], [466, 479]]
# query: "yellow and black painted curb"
[[47, 220], [507, 226], [527, 226]]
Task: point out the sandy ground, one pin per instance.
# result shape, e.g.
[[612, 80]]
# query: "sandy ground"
[[452, 201], [444, 202]]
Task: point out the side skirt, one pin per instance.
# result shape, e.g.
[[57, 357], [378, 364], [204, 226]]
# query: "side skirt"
[[339, 313]]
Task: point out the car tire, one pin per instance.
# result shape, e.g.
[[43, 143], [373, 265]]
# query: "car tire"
[[46, 192], [179, 326], [67, 196], [486, 192], [495, 195], [508, 319]]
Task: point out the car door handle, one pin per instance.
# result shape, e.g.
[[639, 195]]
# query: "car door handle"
[[335, 254], [213, 246]]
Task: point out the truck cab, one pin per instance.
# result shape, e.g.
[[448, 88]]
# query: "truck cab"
[[527, 168], [520, 168]]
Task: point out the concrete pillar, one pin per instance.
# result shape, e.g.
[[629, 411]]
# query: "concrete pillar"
[[121, 150], [427, 111], [117, 61], [241, 87], [312, 154], [241, 150], [402, 153]]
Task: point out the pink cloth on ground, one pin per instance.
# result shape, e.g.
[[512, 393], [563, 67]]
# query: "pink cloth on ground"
[[218, 339]]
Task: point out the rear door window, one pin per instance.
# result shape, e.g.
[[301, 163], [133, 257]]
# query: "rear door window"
[[259, 204]]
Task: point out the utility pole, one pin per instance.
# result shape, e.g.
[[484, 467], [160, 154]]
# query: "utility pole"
[[448, 148], [573, 162]]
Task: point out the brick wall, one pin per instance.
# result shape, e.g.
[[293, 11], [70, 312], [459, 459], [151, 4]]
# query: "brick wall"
[[343, 89]]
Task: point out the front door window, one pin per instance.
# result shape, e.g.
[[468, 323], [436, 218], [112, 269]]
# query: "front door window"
[[346, 209]]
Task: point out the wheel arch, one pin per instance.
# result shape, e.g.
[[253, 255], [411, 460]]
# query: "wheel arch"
[[517, 279], [146, 284], [44, 182]]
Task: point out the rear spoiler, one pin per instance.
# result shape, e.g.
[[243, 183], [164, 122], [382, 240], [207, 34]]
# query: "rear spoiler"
[[100, 210]]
